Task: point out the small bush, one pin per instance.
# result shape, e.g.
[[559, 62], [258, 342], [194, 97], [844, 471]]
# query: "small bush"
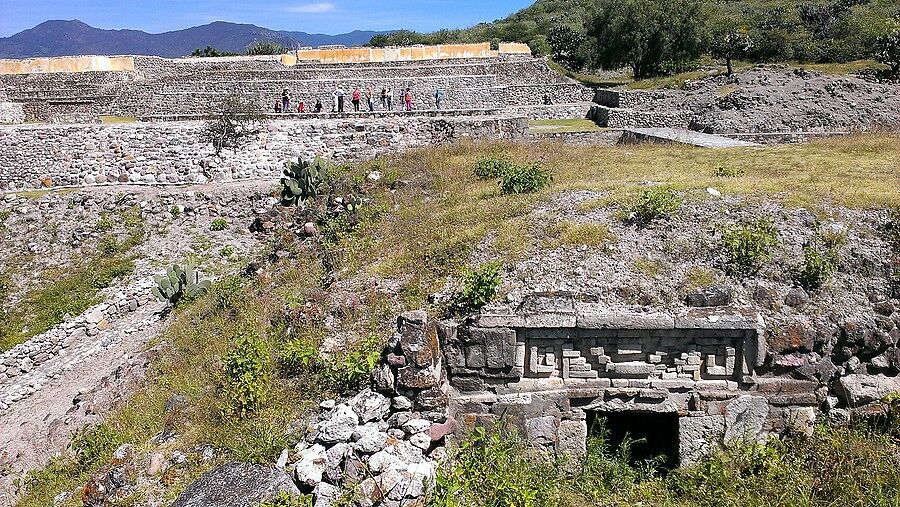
[[817, 268], [748, 246], [226, 251], [490, 167], [892, 230], [228, 291], [283, 499], [728, 172], [246, 376], [297, 355], [654, 203], [496, 469], [354, 367], [219, 224], [480, 286], [104, 223], [175, 211], [820, 259], [524, 179]]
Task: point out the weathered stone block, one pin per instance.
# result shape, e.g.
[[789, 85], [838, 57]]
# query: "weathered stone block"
[[500, 346], [594, 316], [542, 430], [698, 437], [572, 439], [745, 418], [858, 390], [475, 357]]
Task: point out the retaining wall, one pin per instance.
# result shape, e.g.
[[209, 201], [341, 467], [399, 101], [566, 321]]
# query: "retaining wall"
[[173, 152]]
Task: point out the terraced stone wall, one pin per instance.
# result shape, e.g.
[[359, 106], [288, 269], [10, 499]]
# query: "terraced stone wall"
[[172, 152]]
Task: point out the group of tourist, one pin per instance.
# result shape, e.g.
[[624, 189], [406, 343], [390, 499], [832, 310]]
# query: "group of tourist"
[[356, 98]]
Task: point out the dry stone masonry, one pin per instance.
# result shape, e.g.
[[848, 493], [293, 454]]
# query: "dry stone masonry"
[[173, 152]]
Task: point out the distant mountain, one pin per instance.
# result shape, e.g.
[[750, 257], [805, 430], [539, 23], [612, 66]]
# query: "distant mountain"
[[65, 38]]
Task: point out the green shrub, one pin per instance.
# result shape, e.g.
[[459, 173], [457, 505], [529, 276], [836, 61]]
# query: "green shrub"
[[226, 251], [820, 259], [350, 370], [219, 224], [748, 245], [493, 469], [491, 166], [817, 268], [104, 223], [298, 355], [728, 172], [654, 203], [524, 179], [892, 230], [246, 376], [480, 286], [175, 211], [283, 499], [227, 291], [95, 445]]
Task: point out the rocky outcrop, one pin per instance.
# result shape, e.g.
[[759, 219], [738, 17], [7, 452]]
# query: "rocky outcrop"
[[236, 485]]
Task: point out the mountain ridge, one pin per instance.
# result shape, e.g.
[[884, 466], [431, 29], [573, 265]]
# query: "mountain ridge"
[[75, 37]]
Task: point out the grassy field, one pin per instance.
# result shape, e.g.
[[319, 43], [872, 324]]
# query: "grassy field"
[[419, 229], [563, 125]]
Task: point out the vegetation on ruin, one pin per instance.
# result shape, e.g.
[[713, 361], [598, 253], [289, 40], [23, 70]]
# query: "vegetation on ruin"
[[748, 245], [71, 290], [480, 286], [853, 465], [416, 227], [235, 121]]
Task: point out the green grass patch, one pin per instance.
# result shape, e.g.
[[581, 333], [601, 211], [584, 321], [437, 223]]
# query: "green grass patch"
[[563, 125], [72, 290]]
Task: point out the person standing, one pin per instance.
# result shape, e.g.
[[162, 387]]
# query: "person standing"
[[301, 107], [407, 99], [355, 97], [340, 99], [384, 99], [369, 99], [285, 101], [390, 99], [318, 108], [334, 101], [438, 98]]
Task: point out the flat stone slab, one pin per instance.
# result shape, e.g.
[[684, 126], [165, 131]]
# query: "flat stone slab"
[[685, 136]]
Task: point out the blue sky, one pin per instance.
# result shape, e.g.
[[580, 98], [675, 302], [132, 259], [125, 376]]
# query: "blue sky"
[[319, 16]]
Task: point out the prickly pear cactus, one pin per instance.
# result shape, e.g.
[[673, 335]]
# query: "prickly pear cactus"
[[302, 180], [178, 283]]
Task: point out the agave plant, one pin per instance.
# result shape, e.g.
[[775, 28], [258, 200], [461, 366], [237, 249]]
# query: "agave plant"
[[302, 180], [177, 283]]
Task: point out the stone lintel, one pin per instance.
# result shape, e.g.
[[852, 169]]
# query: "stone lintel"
[[719, 318], [593, 316]]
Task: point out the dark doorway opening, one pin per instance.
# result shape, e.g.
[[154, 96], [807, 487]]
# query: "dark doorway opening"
[[651, 436]]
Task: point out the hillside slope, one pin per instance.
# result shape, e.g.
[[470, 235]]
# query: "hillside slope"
[[64, 38]]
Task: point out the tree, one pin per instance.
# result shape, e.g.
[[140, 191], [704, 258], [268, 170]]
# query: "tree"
[[887, 47], [653, 37], [266, 48], [567, 46], [237, 119], [729, 39], [210, 51]]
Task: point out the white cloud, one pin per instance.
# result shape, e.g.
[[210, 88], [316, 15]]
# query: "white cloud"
[[313, 8]]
